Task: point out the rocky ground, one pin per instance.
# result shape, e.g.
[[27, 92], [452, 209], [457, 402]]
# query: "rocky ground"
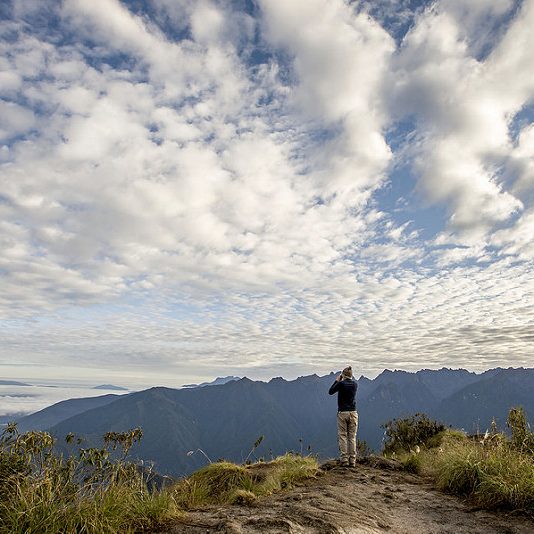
[[373, 497]]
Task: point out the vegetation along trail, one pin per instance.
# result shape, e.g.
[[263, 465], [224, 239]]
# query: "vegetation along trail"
[[374, 497]]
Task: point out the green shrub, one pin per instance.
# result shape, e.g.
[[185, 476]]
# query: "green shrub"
[[43, 493], [406, 434]]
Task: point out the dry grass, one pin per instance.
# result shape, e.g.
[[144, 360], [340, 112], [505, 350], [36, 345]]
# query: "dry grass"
[[491, 475], [225, 482]]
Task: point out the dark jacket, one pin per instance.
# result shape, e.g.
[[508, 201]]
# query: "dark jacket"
[[346, 394]]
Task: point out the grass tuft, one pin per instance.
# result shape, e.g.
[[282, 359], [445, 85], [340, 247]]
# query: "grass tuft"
[[492, 477], [225, 482], [243, 497], [213, 484], [286, 471]]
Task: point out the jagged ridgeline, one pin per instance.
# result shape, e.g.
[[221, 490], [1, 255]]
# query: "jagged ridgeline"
[[224, 420]]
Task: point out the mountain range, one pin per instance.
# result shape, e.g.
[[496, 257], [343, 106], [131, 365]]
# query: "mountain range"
[[217, 382], [110, 387], [225, 420], [51, 416]]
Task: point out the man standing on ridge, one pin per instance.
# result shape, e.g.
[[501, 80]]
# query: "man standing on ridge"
[[347, 417]]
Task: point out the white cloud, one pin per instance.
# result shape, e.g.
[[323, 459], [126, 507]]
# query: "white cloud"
[[168, 203], [110, 20], [9, 82], [522, 160], [517, 240], [14, 120], [478, 21], [207, 23], [463, 107], [340, 59], [23, 400]]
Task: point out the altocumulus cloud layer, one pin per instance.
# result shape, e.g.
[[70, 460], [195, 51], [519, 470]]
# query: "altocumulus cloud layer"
[[191, 188]]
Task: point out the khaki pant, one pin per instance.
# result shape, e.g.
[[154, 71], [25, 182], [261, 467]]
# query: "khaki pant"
[[347, 426]]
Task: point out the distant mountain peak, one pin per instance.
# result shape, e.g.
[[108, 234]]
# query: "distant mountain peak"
[[13, 383], [110, 387], [309, 377], [219, 381]]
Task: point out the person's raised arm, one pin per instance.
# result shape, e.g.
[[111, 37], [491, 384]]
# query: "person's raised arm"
[[335, 386]]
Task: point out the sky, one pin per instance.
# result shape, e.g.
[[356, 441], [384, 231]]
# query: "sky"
[[199, 188]]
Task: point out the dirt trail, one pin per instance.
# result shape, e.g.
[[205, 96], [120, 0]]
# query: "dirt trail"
[[361, 500]]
